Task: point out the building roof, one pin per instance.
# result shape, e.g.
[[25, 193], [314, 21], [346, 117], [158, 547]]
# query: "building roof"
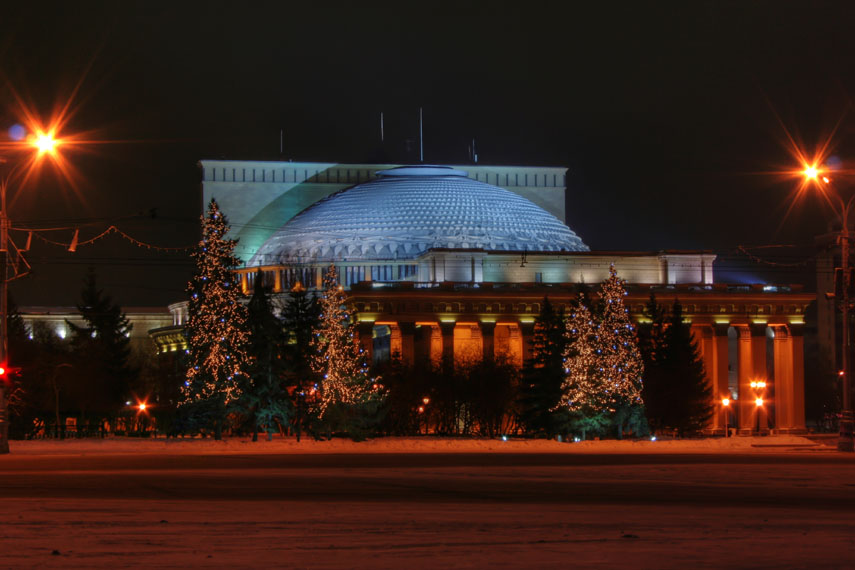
[[410, 209]]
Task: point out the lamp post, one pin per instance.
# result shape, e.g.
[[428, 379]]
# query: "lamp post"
[[812, 174], [725, 405], [45, 144], [759, 387]]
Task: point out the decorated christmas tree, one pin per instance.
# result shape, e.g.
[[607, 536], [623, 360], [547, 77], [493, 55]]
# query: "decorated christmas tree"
[[216, 327], [345, 390], [603, 364], [619, 360], [582, 392]]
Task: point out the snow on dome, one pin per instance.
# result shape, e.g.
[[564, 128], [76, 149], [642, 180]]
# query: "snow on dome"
[[410, 209]]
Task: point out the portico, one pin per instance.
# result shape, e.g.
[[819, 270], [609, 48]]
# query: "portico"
[[744, 336]]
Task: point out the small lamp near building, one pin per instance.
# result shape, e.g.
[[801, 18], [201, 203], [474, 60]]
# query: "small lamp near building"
[[725, 405]]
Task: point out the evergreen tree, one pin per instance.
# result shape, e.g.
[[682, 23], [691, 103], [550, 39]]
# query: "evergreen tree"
[[681, 398], [22, 391], [265, 398], [346, 395], [101, 351], [300, 319], [652, 343], [216, 327], [617, 347], [543, 375], [581, 391], [602, 361]]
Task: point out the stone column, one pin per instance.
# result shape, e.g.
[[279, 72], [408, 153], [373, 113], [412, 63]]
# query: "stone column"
[[719, 371], [758, 361], [752, 367], [365, 331], [797, 347], [789, 379], [277, 280], [447, 330], [408, 342], [421, 345], [527, 334], [488, 330], [703, 337], [746, 371]]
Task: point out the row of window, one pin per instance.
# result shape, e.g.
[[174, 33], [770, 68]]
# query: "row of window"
[[356, 175]]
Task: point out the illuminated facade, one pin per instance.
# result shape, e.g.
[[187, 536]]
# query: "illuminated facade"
[[452, 264]]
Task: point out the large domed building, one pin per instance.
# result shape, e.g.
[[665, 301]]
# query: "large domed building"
[[448, 263]]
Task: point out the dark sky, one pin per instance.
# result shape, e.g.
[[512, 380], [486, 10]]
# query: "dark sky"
[[666, 114]]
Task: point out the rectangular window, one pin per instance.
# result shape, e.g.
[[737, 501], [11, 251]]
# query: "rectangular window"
[[538, 277]]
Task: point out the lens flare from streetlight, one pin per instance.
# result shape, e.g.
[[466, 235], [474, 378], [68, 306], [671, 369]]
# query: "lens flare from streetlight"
[[45, 143], [758, 402], [811, 172]]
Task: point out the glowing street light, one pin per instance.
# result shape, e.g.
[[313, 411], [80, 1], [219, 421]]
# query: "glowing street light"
[[725, 404], [811, 172], [846, 442], [45, 144]]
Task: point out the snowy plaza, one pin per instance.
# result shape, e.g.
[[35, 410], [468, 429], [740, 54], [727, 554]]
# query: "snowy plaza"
[[745, 502]]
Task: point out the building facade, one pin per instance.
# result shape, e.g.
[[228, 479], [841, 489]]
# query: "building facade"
[[453, 263]]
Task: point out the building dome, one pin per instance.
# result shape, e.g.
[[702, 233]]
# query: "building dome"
[[408, 210]]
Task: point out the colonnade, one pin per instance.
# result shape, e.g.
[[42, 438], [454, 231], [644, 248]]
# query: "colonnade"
[[763, 399], [447, 342], [781, 389]]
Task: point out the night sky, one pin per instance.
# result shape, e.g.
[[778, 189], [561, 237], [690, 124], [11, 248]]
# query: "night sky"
[[671, 117]]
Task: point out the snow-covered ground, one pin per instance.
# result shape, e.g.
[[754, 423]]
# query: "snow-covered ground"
[[771, 502], [412, 445]]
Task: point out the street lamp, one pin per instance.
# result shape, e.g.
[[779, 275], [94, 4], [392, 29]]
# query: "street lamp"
[[45, 144], [725, 405], [812, 174]]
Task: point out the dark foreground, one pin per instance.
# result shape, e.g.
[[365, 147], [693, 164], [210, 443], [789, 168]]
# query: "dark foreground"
[[428, 510]]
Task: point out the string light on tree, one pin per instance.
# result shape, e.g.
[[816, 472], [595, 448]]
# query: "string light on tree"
[[216, 326], [621, 365], [339, 360], [581, 389]]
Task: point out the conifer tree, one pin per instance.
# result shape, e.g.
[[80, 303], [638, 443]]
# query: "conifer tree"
[[652, 343], [620, 367], [617, 346], [300, 319], [101, 349], [680, 397], [543, 375], [346, 392], [581, 390], [265, 397], [216, 327]]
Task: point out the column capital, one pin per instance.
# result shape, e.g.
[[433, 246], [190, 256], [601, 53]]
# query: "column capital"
[[447, 327], [757, 329]]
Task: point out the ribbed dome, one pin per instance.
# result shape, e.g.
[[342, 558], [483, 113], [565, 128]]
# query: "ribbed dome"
[[407, 211]]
